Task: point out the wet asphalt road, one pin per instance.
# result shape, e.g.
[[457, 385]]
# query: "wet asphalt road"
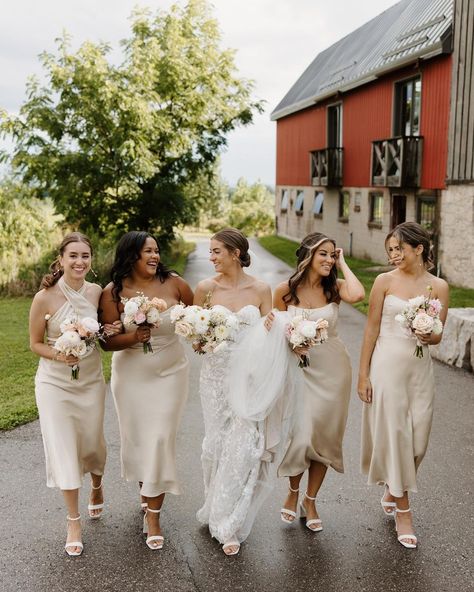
[[357, 551]]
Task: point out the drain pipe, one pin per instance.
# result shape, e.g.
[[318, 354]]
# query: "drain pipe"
[[350, 244]]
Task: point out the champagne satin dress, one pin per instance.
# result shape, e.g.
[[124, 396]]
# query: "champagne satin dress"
[[320, 419], [150, 391], [396, 425], [71, 411]]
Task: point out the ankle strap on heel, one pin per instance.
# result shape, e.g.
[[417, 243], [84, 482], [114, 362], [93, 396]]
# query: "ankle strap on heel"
[[98, 486], [293, 490], [153, 511], [402, 511], [73, 519], [307, 496]]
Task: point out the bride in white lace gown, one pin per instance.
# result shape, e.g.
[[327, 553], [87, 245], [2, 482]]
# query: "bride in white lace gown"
[[233, 447]]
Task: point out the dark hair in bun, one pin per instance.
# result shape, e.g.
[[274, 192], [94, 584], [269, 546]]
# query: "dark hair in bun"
[[233, 239]]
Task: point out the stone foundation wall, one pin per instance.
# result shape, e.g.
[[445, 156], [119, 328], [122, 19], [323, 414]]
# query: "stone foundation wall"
[[367, 241], [456, 236]]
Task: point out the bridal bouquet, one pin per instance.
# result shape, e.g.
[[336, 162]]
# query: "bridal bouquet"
[[208, 328], [301, 332], [78, 337], [421, 314], [140, 310]]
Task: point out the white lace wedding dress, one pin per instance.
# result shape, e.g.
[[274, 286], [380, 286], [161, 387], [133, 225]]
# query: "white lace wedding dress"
[[239, 440]]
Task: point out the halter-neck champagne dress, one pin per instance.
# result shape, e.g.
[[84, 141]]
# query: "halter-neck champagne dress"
[[396, 425], [71, 412], [321, 416], [150, 391]]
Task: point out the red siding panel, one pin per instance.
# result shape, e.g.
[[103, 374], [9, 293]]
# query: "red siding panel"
[[435, 98], [367, 116]]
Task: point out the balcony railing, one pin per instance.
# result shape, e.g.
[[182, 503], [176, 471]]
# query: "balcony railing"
[[326, 167], [396, 162]]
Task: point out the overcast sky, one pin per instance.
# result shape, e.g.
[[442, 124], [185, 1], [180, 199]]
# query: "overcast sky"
[[275, 41]]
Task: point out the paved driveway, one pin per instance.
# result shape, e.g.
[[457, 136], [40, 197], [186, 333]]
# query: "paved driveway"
[[357, 551]]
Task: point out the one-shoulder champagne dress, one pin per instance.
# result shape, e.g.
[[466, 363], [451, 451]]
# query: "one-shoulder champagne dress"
[[396, 425], [320, 418], [71, 411], [150, 391]]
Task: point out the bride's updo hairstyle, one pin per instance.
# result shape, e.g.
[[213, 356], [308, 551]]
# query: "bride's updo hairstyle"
[[305, 254], [233, 239], [413, 234], [55, 269], [127, 253]]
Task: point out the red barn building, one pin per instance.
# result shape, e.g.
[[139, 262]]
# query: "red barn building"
[[364, 136]]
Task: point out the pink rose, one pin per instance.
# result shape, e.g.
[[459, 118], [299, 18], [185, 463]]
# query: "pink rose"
[[139, 317], [422, 323]]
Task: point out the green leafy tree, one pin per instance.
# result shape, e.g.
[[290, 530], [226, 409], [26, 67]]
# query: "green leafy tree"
[[29, 227], [252, 208], [119, 146]]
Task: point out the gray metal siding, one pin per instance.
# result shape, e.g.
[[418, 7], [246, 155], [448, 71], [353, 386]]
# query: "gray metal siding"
[[461, 133], [408, 30]]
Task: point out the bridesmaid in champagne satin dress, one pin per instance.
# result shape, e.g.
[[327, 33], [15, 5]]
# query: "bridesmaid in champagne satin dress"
[[396, 387], [316, 439], [149, 389], [71, 411]]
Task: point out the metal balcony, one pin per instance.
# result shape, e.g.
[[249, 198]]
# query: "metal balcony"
[[396, 162], [326, 167]]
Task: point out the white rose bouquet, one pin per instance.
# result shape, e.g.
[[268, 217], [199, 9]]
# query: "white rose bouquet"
[[140, 310], [209, 329], [301, 332], [78, 337], [422, 315]]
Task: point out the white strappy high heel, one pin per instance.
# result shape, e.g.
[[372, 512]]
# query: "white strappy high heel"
[[289, 512], [385, 504], [91, 507], [402, 538], [232, 543], [156, 538], [309, 523], [74, 543]]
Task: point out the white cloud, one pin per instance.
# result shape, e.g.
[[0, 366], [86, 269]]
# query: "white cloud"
[[275, 41]]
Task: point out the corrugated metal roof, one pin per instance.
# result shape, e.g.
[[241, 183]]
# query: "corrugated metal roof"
[[409, 30]]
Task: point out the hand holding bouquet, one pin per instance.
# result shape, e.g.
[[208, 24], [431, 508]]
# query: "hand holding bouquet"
[[78, 337], [208, 329], [142, 311], [303, 333], [421, 316]]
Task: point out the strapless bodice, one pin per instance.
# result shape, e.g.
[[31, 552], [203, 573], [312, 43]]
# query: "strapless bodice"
[[389, 326]]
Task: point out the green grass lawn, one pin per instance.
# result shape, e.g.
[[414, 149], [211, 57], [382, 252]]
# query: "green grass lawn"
[[285, 249], [18, 364]]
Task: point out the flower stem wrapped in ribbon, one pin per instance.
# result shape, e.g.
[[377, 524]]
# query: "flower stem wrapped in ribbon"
[[143, 311]]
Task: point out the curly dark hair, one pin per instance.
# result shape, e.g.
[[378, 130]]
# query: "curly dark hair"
[[127, 254], [305, 254]]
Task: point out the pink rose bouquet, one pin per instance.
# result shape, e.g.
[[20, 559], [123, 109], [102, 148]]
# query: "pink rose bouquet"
[[78, 337], [422, 315], [301, 332], [141, 310]]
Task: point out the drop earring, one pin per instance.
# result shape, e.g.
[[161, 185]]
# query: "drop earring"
[[93, 272]]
